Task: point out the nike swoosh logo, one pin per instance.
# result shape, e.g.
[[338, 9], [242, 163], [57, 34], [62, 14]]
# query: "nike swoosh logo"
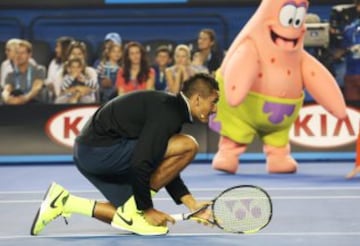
[[52, 204], [128, 222]]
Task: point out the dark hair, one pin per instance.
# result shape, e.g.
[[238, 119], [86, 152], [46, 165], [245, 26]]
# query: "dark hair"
[[69, 62], [143, 74], [163, 48], [64, 43], [210, 32], [201, 83]]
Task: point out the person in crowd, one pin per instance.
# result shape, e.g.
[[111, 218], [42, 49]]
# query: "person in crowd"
[[197, 63], [341, 16], [25, 83], [9, 64], [136, 73], [351, 46], [62, 44], [110, 38], [209, 50], [77, 49], [107, 71], [162, 61], [77, 86], [181, 70]]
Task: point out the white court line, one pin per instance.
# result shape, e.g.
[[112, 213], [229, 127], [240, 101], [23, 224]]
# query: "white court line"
[[209, 198], [204, 189], [292, 234]]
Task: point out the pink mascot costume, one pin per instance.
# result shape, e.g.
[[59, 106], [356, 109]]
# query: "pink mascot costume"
[[261, 82]]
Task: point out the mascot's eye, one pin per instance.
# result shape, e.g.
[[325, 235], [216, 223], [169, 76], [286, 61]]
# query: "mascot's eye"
[[287, 15], [299, 17]]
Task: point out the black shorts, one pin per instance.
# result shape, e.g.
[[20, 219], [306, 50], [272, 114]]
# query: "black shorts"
[[107, 168]]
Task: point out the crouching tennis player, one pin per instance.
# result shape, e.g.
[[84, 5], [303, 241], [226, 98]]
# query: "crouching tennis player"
[[129, 149]]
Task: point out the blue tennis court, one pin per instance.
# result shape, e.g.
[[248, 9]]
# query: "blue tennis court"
[[316, 206]]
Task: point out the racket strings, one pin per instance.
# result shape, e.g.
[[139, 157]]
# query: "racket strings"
[[245, 209]]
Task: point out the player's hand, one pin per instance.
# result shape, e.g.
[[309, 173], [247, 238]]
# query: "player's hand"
[[204, 216], [157, 218]]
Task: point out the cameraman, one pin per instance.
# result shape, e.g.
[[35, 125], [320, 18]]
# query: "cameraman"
[[340, 17]]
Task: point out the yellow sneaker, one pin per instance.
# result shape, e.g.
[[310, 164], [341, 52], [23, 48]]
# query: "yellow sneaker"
[[136, 223], [51, 208]]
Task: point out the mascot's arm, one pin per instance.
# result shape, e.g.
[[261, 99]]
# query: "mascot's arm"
[[322, 86], [240, 72]]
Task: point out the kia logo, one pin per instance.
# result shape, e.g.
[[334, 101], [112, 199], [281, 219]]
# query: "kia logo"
[[64, 126], [317, 128]]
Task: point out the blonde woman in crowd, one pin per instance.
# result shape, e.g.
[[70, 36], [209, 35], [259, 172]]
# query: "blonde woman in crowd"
[[181, 70]]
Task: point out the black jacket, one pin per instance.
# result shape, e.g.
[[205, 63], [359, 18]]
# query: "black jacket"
[[151, 117]]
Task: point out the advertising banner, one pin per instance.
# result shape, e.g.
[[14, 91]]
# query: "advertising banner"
[[51, 129]]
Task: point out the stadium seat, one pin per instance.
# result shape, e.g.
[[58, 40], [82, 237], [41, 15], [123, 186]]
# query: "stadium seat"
[[42, 52], [2, 51]]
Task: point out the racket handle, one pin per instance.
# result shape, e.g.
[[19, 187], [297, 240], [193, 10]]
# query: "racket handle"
[[178, 217]]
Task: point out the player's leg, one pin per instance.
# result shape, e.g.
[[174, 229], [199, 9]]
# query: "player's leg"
[[180, 152], [94, 164]]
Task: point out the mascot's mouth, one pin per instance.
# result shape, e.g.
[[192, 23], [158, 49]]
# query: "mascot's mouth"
[[283, 42]]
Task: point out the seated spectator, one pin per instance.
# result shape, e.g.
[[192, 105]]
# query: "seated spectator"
[[110, 38], [181, 70], [56, 63], [107, 71], [162, 61], [25, 83], [76, 49], [136, 73], [208, 49], [8, 65], [77, 86], [197, 63]]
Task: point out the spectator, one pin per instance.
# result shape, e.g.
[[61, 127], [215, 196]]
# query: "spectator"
[[136, 73], [56, 63], [77, 86], [162, 61], [25, 83], [107, 71], [197, 63], [110, 38], [8, 65], [341, 16], [76, 49], [207, 46], [351, 43], [181, 70]]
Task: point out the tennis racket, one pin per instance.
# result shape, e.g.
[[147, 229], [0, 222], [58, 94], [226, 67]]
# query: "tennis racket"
[[239, 209]]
